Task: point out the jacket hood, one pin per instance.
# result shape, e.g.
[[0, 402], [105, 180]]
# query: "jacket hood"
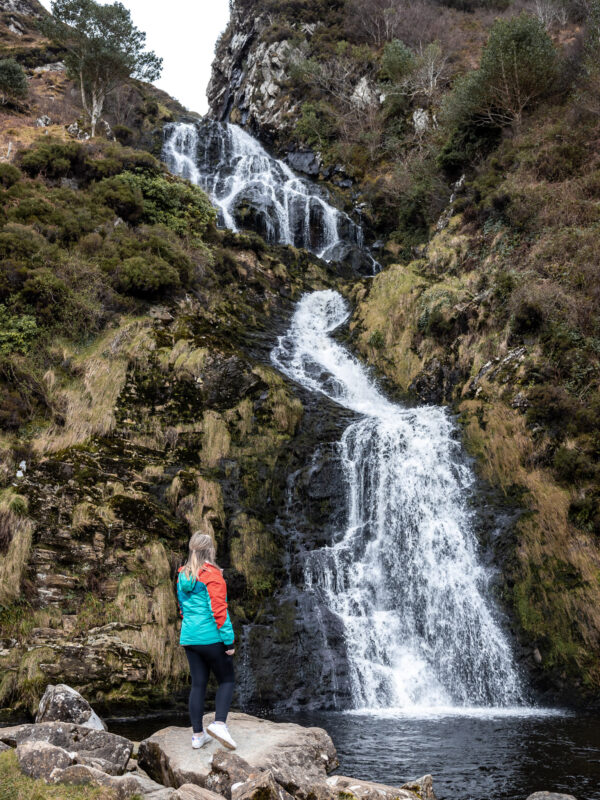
[[186, 584]]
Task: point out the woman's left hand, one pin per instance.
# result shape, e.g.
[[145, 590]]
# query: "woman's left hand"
[[229, 652]]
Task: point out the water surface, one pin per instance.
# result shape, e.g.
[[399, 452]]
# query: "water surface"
[[473, 756]]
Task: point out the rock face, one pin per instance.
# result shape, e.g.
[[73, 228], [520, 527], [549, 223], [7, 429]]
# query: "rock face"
[[99, 749], [203, 435], [26, 7], [61, 703], [247, 83], [299, 758]]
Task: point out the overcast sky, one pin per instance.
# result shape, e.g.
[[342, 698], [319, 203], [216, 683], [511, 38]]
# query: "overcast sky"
[[184, 33]]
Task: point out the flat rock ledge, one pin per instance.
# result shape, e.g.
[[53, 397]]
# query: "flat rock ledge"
[[273, 761], [297, 756]]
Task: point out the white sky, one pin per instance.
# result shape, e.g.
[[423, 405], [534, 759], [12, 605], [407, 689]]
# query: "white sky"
[[184, 33]]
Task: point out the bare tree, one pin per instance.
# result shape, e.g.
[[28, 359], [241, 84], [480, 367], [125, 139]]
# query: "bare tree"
[[550, 12], [377, 20]]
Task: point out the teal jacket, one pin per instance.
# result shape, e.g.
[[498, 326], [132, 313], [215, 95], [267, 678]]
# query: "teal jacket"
[[203, 607]]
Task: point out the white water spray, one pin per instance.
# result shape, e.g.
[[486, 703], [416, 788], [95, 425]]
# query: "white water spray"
[[404, 575], [250, 188]]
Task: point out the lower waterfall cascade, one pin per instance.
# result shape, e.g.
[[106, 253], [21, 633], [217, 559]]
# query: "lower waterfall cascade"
[[247, 185], [403, 575]]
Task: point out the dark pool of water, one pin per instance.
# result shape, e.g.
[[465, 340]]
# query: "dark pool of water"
[[470, 757]]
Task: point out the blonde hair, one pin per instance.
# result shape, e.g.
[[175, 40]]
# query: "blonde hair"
[[202, 549]]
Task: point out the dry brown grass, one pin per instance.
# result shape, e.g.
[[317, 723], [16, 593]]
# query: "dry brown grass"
[[14, 560], [88, 402], [216, 441]]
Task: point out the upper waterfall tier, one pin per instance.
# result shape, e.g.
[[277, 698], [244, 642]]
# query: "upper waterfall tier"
[[403, 575], [251, 189]]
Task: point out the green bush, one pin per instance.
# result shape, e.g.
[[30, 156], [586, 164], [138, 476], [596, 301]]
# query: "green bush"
[[550, 406], [20, 242], [54, 159], [527, 318], [519, 66], [122, 196], [584, 512], [397, 61], [13, 81], [123, 134], [146, 276], [571, 466], [47, 294], [9, 175], [168, 201], [17, 332]]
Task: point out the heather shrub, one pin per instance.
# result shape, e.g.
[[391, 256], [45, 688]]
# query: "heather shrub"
[[9, 175]]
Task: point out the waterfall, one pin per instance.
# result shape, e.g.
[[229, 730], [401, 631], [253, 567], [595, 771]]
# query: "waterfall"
[[403, 574], [251, 189]]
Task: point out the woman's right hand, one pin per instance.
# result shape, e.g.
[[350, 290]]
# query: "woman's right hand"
[[229, 652]]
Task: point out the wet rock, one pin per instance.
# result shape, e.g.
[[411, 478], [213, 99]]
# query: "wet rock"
[[304, 161], [435, 384], [62, 704], [262, 787], [550, 796], [297, 756], [83, 743], [39, 759], [367, 790]]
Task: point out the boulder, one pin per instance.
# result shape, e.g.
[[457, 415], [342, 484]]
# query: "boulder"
[[39, 759], [62, 704], [124, 786], [550, 796], [298, 757], [423, 787], [4, 747], [304, 161], [367, 790], [191, 792], [97, 748], [228, 769], [262, 787]]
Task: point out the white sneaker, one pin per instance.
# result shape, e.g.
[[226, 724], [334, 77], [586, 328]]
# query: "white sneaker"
[[220, 732], [199, 740]]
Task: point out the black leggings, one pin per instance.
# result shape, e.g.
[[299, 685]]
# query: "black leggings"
[[204, 658]]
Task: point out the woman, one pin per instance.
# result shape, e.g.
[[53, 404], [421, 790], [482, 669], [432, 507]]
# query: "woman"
[[207, 636]]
